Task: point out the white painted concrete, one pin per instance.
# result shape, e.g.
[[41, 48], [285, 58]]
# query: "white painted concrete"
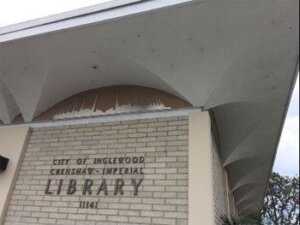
[[12, 144], [201, 201]]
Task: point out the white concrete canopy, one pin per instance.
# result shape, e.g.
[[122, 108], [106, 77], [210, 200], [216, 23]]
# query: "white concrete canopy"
[[235, 58]]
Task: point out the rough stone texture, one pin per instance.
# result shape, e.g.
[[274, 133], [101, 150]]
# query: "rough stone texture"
[[219, 185], [163, 194]]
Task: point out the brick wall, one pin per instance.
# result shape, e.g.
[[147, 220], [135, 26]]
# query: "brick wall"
[[219, 185], [156, 148]]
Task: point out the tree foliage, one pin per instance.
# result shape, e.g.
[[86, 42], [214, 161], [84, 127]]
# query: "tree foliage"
[[281, 204]]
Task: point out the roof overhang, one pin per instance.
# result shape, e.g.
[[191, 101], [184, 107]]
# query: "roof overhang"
[[238, 59]]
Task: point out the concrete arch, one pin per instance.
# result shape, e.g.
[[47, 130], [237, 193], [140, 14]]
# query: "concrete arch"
[[248, 147], [248, 175], [244, 123], [24, 74], [66, 78], [249, 196], [8, 107]]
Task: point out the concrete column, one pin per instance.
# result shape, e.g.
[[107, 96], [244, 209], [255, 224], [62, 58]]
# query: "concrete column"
[[201, 202], [12, 144]]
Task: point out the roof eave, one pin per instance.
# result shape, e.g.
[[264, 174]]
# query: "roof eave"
[[85, 16]]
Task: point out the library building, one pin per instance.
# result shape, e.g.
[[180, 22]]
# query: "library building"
[[144, 112]]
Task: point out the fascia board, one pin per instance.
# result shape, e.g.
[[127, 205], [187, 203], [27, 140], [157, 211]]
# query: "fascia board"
[[85, 16]]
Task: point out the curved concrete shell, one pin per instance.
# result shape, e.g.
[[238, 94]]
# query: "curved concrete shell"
[[237, 59]]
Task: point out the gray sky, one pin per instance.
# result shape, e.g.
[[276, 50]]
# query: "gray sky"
[[287, 159], [16, 11]]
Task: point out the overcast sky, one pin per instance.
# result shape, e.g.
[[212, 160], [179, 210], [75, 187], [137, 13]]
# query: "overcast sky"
[[287, 159], [16, 11]]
